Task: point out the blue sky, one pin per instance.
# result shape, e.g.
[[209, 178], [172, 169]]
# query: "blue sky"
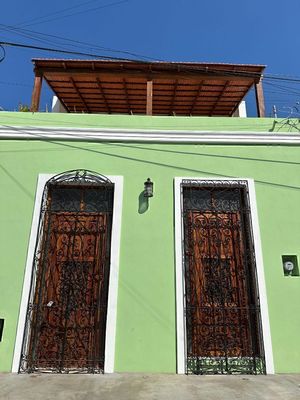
[[235, 31]]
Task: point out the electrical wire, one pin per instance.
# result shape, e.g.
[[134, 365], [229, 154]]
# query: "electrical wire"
[[80, 12], [267, 77], [36, 39], [56, 12], [15, 84], [4, 53], [284, 89], [70, 42], [27, 46], [20, 45], [184, 68]]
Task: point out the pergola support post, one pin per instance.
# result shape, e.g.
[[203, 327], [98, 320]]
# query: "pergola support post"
[[260, 102], [149, 104], [36, 93]]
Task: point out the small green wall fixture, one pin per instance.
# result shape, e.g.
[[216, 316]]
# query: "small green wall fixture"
[[290, 265]]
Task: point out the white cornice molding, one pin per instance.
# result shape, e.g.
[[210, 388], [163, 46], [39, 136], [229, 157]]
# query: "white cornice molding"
[[154, 136]]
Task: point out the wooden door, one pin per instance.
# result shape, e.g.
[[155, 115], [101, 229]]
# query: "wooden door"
[[222, 307], [68, 311]]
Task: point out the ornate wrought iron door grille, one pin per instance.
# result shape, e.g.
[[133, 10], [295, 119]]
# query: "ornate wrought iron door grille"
[[66, 318], [222, 310]]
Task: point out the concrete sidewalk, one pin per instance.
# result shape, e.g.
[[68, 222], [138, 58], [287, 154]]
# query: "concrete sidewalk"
[[148, 387]]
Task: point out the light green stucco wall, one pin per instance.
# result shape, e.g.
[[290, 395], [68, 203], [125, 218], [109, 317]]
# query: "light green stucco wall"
[[146, 337], [148, 122]]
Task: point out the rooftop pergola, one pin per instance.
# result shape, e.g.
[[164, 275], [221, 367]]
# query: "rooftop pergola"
[[151, 88]]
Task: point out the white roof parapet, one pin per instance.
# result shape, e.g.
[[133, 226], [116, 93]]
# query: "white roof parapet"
[[155, 136]]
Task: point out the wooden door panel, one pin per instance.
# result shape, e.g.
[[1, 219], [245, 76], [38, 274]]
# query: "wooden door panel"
[[69, 297], [221, 308], [66, 317], [218, 293]]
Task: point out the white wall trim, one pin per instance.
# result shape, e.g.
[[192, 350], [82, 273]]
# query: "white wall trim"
[[42, 179], [179, 276], [113, 279], [111, 321], [151, 136], [264, 310], [180, 295]]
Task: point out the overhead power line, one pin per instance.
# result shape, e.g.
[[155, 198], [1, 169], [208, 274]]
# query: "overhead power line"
[[284, 89], [34, 38], [15, 84], [55, 13], [42, 37], [185, 68], [79, 44], [28, 46], [4, 53], [79, 12]]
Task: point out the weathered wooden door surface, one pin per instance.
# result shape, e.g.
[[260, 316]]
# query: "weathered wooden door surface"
[[69, 305], [69, 331], [222, 306]]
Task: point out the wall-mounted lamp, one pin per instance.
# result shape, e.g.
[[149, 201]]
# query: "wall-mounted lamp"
[[148, 188]]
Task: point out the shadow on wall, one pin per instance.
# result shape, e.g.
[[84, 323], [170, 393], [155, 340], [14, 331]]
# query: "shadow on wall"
[[143, 203]]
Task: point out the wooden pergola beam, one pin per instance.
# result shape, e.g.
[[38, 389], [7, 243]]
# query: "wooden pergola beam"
[[151, 86], [79, 94], [36, 93], [106, 73], [260, 102], [103, 95], [126, 95], [173, 97], [219, 97], [149, 100], [196, 97]]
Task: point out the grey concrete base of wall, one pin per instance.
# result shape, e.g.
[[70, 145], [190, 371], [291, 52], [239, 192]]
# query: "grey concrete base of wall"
[[148, 387]]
